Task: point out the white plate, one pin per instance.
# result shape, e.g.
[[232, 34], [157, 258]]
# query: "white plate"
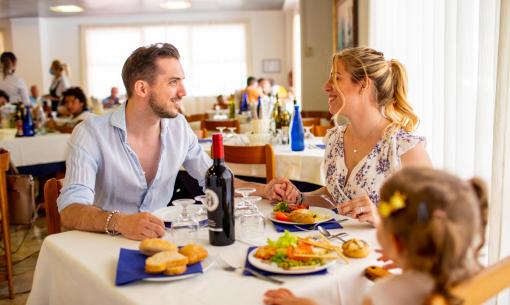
[[326, 213], [206, 265], [169, 214], [272, 267]]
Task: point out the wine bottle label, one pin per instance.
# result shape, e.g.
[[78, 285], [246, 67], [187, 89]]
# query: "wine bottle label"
[[212, 201]]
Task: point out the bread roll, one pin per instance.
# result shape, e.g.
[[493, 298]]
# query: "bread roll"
[[152, 246], [195, 253], [356, 248], [159, 262], [175, 270]]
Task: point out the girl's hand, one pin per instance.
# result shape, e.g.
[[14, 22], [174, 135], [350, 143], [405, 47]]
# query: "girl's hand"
[[284, 296], [360, 208], [388, 263]]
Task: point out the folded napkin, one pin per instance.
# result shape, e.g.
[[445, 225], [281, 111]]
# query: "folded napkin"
[[321, 146], [281, 227], [131, 268], [250, 266], [204, 140]]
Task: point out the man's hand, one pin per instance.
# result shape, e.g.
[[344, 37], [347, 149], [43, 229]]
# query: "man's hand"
[[281, 189], [140, 226]]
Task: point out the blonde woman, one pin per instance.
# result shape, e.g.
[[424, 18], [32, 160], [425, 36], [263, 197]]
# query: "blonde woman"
[[370, 92], [59, 84]]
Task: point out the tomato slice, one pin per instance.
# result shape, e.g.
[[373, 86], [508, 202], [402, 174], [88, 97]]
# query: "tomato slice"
[[281, 216]]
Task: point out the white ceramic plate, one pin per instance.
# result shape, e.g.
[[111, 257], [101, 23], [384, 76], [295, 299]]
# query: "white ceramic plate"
[[272, 267], [206, 265], [326, 215], [169, 214]]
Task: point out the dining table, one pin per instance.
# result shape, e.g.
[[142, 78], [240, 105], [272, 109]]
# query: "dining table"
[[77, 267]]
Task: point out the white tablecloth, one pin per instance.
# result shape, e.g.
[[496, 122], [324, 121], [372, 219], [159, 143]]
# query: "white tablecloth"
[[41, 149], [304, 165], [79, 268]]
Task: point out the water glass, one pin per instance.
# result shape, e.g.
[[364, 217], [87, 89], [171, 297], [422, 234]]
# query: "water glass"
[[185, 227]]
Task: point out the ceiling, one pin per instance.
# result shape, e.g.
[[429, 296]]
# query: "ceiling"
[[34, 8]]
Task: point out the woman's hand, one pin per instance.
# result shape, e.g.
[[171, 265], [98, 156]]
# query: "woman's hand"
[[284, 296], [360, 208], [281, 189]]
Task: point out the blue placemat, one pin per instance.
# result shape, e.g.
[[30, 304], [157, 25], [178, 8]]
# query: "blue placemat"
[[131, 268], [250, 266], [281, 227], [204, 140]]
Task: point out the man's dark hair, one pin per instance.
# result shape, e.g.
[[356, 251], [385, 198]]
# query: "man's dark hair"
[[4, 95], [77, 93], [141, 64], [250, 81]]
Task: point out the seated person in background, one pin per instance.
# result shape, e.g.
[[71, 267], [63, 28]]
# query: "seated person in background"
[[113, 99], [76, 104], [220, 103], [34, 96], [433, 225], [252, 89], [123, 165], [278, 90], [4, 98], [264, 87]]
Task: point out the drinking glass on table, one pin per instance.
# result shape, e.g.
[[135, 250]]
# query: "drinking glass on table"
[[202, 211], [221, 128], [184, 228], [245, 192], [232, 132], [251, 223], [308, 132]]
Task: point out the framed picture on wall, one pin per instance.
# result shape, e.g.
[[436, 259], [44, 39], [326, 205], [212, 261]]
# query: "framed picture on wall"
[[345, 24]]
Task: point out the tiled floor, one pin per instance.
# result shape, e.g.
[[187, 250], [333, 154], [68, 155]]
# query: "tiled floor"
[[26, 242]]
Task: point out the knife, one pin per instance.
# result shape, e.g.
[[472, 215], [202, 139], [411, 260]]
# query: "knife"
[[263, 277]]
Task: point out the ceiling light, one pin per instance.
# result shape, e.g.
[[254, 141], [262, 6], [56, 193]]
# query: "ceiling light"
[[66, 9], [176, 5]]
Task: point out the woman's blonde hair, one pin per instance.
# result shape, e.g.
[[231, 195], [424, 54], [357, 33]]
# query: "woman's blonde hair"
[[390, 84], [60, 66], [442, 225]]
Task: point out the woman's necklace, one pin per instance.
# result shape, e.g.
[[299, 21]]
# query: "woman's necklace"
[[355, 149]]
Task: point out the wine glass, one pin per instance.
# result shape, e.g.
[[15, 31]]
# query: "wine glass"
[[245, 192], [232, 132], [308, 133], [252, 223], [184, 228], [202, 211], [221, 128]]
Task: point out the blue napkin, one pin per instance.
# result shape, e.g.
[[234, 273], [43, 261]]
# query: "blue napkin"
[[250, 266], [321, 146], [281, 227], [131, 268], [204, 140]]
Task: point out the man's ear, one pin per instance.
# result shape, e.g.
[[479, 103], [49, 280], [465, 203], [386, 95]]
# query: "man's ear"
[[141, 88]]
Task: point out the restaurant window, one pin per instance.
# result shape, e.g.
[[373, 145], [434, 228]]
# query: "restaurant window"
[[213, 56], [2, 47]]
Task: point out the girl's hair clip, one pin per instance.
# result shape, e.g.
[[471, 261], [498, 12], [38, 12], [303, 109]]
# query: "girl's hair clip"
[[397, 202], [423, 212]]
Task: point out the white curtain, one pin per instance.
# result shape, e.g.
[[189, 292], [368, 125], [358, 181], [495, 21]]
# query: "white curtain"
[[457, 54]]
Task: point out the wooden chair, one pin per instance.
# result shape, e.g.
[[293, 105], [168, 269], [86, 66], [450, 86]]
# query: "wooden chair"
[[480, 288], [51, 192], [311, 121], [4, 210], [196, 117], [320, 130], [316, 114], [253, 155], [212, 124]]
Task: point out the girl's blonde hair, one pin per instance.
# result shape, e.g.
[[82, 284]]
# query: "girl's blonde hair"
[[390, 84], [442, 225]]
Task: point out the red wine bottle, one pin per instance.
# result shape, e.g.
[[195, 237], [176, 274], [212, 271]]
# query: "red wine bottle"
[[220, 197]]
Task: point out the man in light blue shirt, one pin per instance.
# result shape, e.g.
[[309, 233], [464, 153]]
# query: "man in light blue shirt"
[[123, 165]]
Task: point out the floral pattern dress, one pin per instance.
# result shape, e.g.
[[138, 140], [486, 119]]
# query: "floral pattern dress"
[[369, 174]]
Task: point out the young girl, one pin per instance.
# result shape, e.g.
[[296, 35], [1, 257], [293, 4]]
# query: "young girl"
[[432, 227]]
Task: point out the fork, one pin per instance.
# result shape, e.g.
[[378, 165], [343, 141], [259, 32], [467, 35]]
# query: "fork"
[[230, 268]]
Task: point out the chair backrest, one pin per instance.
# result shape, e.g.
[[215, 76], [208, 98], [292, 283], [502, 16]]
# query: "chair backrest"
[[316, 114], [320, 130], [4, 211], [253, 155], [212, 124], [311, 121], [51, 192], [196, 117], [481, 287]]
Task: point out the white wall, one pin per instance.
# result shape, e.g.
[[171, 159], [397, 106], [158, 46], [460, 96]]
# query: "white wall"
[[59, 38]]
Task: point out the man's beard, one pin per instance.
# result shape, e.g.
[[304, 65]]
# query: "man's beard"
[[160, 111]]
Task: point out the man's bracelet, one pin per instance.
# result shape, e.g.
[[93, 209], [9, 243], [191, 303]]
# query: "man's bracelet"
[[108, 219]]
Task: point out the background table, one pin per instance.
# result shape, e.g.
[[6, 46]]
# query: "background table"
[[79, 268]]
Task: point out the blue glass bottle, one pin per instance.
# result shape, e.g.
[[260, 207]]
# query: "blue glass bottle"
[[297, 133], [28, 123], [244, 104]]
